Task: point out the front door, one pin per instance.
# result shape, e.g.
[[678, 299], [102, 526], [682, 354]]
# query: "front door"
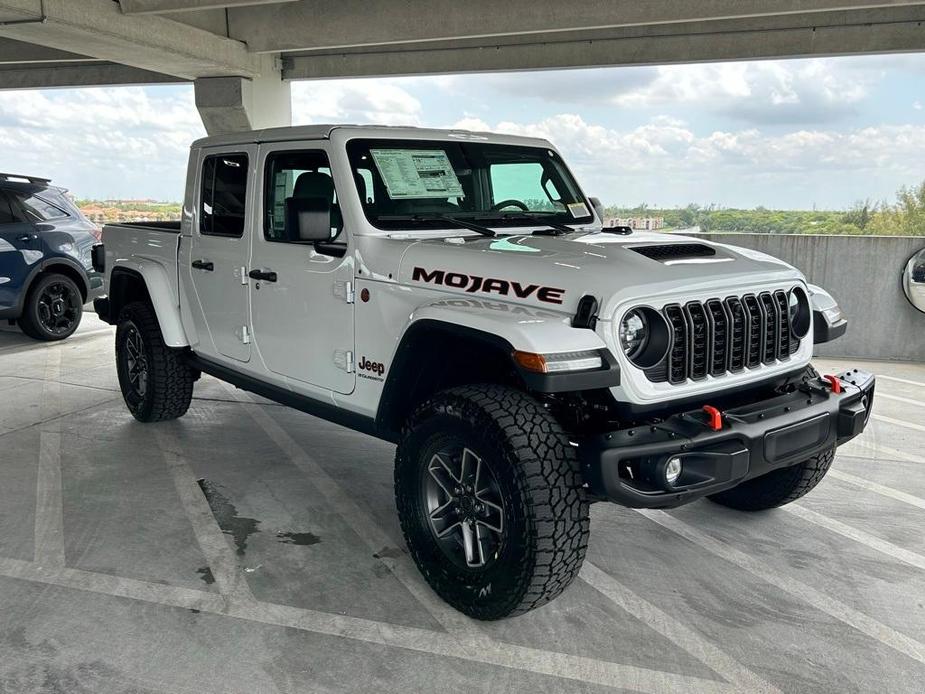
[[303, 314], [219, 253]]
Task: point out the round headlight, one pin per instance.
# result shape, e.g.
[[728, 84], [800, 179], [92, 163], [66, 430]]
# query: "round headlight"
[[800, 313], [634, 332]]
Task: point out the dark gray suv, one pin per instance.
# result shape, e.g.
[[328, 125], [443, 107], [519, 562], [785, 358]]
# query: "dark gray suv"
[[46, 274]]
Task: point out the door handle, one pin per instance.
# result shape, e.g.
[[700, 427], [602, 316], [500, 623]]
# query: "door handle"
[[27, 237], [266, 276], [202, 265]]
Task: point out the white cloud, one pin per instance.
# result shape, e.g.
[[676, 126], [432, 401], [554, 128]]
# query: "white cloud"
[[662, 159], [378, 101], [123, 142], [795, 91]]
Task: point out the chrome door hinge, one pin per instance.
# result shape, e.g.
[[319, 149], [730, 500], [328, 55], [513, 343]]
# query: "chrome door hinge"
[[345, 291], [245, 335], [243, 275], [343, 360]]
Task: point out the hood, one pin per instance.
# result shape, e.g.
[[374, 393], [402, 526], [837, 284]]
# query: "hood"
[[555, 272]]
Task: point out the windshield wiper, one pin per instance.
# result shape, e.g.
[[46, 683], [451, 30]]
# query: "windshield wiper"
[[533, 217], [465, 224]]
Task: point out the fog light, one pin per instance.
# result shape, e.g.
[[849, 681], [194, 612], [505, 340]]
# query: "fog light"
[[672, 470]]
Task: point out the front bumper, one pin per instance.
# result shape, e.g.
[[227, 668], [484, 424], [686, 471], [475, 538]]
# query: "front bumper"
[[627, 466]]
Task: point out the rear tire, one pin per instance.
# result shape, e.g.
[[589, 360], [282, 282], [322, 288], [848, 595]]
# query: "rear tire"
[[778, 487], [156, 382], [531, 488], [53, 308]]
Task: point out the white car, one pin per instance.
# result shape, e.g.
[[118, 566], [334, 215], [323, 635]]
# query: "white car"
[[455, 293]]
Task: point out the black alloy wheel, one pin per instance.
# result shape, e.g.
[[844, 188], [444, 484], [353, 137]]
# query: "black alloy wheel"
[[53, 309], [464, 505]]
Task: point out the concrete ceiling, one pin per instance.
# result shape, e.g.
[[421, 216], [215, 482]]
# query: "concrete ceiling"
[[79, 42], [241, 54]]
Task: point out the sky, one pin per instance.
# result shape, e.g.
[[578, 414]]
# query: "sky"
[[780, 134]]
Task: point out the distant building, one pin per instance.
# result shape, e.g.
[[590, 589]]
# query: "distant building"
[[640, 223]]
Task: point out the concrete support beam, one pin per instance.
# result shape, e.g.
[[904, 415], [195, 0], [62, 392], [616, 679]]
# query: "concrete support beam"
[[636, 46], [161, 6], [18, 52], [234, 104], [98, 28], [354, 23], [92, 74]]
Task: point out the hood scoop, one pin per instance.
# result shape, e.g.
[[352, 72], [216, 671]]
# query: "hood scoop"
[[672, 252]]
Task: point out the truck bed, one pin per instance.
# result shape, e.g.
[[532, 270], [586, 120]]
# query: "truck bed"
[[169, 227]]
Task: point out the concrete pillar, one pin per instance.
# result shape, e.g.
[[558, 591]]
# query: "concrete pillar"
[[236, 104]]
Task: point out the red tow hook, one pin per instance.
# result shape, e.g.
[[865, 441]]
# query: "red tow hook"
[[835, 382], [716, 417]]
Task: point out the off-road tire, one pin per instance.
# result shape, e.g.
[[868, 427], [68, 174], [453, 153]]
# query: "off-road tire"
[[30, 322], [545, 506], [169, 383], [777, 487]]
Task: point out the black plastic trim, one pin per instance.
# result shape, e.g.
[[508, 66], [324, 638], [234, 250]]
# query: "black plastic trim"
[[823, 331], [303, 403], [756, 438]]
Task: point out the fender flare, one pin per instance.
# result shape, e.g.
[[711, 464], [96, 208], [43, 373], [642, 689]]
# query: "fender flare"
[[160, 291], [46, 265], [503, 333]]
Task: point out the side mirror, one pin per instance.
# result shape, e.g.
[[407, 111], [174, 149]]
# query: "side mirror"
[[308, 220], [914, 280], [598, 207]]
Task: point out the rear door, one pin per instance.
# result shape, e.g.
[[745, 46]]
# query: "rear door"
[[19, 251], [220, 247]]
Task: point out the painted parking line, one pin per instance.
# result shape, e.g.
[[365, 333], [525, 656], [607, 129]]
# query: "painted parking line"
[[897, 398], [877, 488], [33, 345], [563, 666], [894, 379], [218, 553], [898, 422], [49, 505], [866, 448], [883, 546], [815, 598], [736, 674], [360, 522], [116, 586]]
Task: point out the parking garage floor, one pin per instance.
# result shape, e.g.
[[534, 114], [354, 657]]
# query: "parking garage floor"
[[251, 548]]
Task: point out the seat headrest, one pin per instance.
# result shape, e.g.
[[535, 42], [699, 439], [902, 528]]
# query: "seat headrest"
[[361, 186], [314, 184]]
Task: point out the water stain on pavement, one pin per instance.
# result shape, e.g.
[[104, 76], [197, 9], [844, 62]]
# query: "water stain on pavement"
[[303, 539], [239, 527], [388, 553]]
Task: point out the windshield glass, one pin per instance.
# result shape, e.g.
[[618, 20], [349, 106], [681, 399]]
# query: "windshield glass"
[[416, 184]]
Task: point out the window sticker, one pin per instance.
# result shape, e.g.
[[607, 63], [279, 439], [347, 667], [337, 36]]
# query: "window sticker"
[[415, 173], [578, 209]]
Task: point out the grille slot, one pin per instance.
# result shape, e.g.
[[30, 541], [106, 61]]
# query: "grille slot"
[[677, 357], [719, 330], [720, 336], [755, 339]]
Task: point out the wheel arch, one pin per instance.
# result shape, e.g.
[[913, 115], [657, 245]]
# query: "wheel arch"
[[62, 266], [434, 355], [149, 284]]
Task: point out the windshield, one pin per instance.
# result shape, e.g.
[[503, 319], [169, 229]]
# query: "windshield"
[[417, 184]]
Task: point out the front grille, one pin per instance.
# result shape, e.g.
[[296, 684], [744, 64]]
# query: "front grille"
[[720, 336]]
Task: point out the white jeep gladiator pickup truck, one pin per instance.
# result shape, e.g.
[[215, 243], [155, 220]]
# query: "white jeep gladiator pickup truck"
[[455, 293]]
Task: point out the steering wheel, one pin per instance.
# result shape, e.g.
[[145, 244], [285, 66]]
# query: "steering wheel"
[[510, 203]]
